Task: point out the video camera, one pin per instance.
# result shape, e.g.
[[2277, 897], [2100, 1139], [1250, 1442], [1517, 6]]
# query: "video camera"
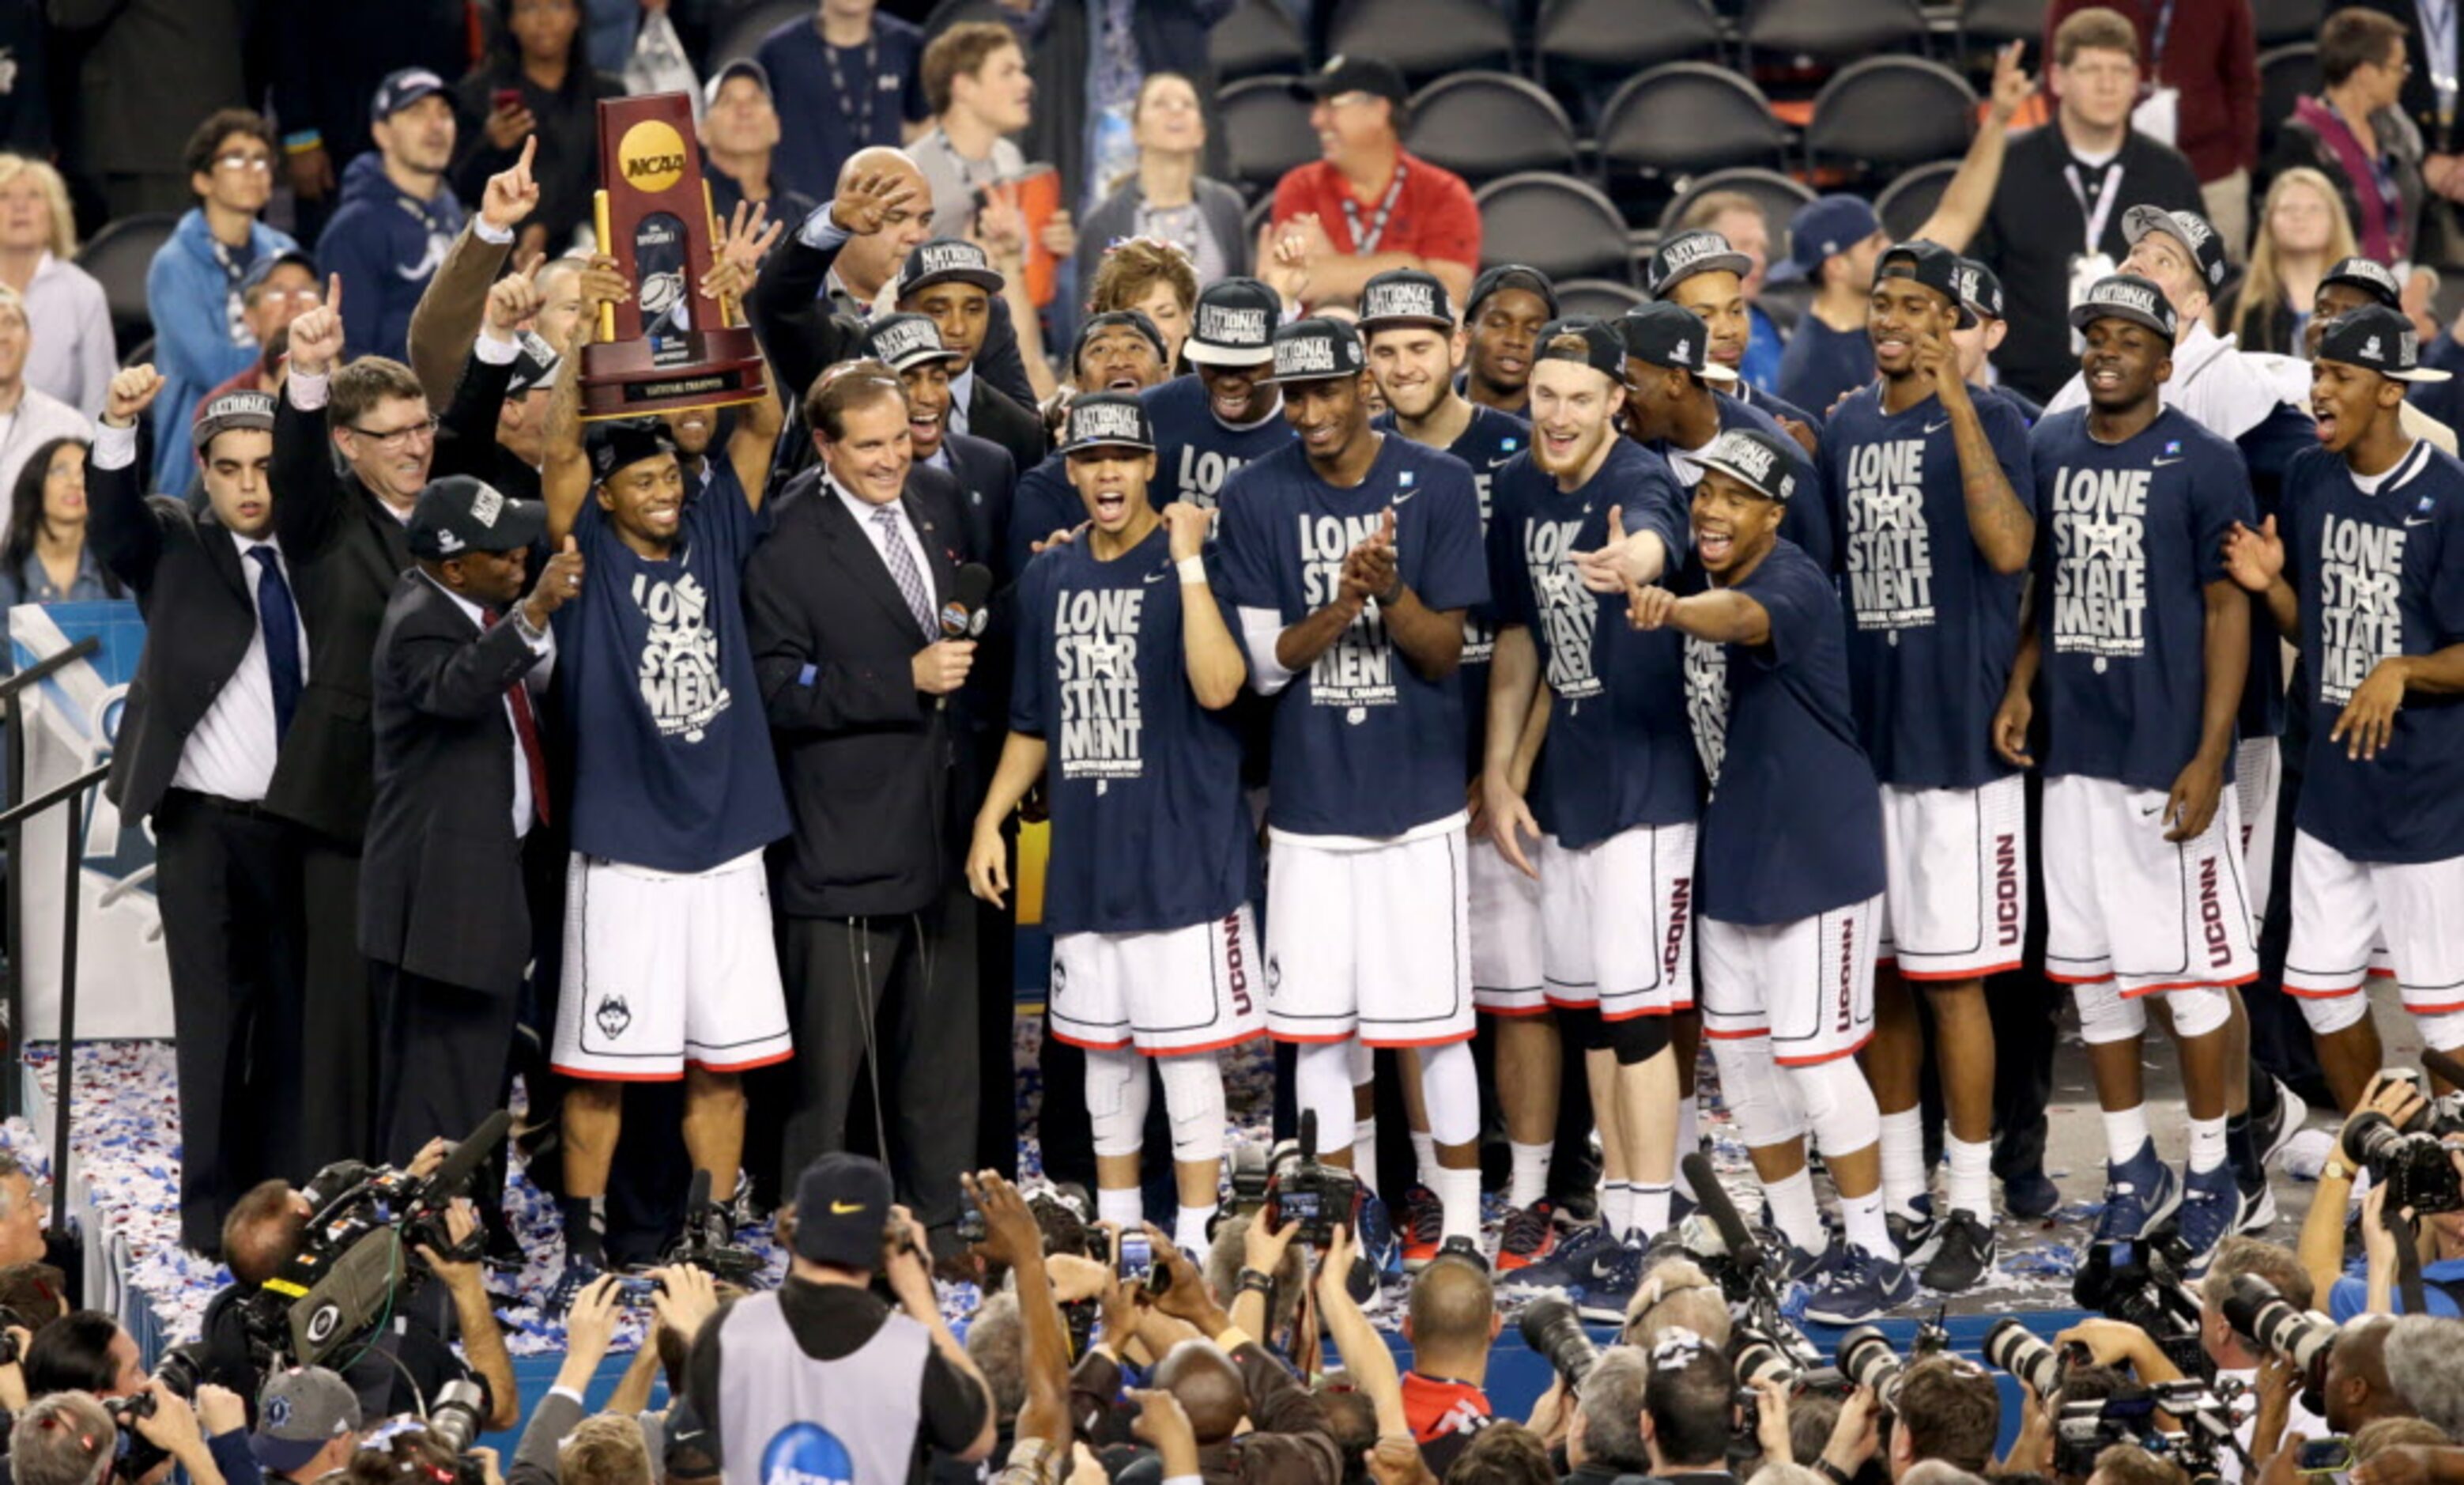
[[1303, 1190], [704, 1243], [2143, 1287], [2266, 1319], [353, 1269], [2087, 1428]]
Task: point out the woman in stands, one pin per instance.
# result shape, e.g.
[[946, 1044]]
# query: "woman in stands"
[[2302, 230], [44, 558], [537, 78], [72, 355], [1165, 197]]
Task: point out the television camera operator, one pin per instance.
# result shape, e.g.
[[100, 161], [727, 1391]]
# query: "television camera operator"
[[171, 1416]]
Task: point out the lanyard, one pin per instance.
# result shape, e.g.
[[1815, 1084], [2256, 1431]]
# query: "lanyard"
[[857, 132], [2105, 196], [2438, 54], [2163, 28], [1364, 244]]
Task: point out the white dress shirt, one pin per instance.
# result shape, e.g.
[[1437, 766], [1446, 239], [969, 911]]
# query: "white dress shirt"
[[963, 390], [526, 813], [862, 512]]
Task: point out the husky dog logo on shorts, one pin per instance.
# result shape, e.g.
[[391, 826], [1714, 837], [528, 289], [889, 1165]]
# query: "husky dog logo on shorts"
[[614, 1015], [1274, 974], [1060, 978]]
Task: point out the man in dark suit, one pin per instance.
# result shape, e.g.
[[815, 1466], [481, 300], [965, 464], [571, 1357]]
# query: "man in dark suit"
[[217, 692], [843, 601], [461, 777], [953, 283]]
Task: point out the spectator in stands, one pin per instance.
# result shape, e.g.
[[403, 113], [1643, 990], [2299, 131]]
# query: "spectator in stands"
[[2302, 230], [739, 140], [398, 217], [192, 289], [32, 417], [44, 558], [144, 68], [2056, 222], [847, 78], [63, 1439], [1739, 217], [2354, 132], [1835, 241], [1370, 205], [277, 291], [535, 80], [974, 80], [328, 61], [2426, 1357], [2201, 63], [1164, 197], [73, 354], [307, 1424], [1154, 277], [1508, 305], [2427, 98]]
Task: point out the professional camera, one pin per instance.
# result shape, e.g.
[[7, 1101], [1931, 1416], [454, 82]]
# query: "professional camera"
[[1867, 1360], [2015, 1348], [703, 1243], [1315, 1197], [1252, 1166], [454, 1419], [353, 1265], [2269, 1322], [2143, 1286], [1553, 1330], [2414, 1168]]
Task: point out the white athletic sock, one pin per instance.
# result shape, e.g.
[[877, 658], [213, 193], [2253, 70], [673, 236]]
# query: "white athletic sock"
[[1650, 1210], [1529, 1180], [1903, 1169], [1689, 1138], [1862, 1217], [1972, 1176], [2125, 1131], [1127, 1207], [1364, 1153], [1459, 1194], [2207, 1144], [1425, 1157], [1793, 1208], [1617, 1207], [1189, 1230]]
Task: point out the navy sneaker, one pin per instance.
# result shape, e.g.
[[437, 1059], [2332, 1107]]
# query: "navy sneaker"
[[1859, 1288], [1570, 1267], [1425, 1226], [1799, 1266], [1915, 1236], [2031, 1194], [1963, 1253], [1616, 1273], [1378, 1248], [2139, 1194], [2212, 1210], [2273, 1134]]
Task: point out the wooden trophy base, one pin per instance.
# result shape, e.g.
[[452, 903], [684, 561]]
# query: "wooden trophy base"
[[620, 379]]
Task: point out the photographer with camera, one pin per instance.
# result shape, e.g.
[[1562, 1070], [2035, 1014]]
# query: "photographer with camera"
[[1689, 1410], [1605, 1440], [822, 1373], [2400, 1104], [307, 1424], [86, 1352], [66, 1438]]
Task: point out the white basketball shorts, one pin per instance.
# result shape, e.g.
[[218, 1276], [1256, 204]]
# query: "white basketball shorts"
[[1194, 989], [1807, 984], [662, 968], [2122, 904], [1619, 916], [1369, 939], [1956, 897]]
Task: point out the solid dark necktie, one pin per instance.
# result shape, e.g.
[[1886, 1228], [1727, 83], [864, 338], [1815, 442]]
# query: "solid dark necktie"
[[278, 618]]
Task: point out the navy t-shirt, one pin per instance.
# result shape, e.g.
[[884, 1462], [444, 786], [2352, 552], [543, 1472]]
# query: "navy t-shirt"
[[1363, 744], [1196, 451], [1044, 503], [672, 767], [834, 101], [1820, 363], [1932, 628], [1793, 826], [1619, 753], [1779, 407], [1489, 441], [2380, 575], [1148, 827], [1805, 522], [2133, 532]]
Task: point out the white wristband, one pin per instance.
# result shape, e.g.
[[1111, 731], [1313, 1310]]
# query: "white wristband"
[[1193, 570]]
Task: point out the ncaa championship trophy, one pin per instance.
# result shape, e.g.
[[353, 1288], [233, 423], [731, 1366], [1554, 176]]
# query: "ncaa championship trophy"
[[653, 214]]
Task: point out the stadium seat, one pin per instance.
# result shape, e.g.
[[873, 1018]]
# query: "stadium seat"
[[139, 354], [1987, 24], [1484, 124], [1583, 48], [2284, 76], [2276, 22], [1682, 117], [1561, 227], [1907, 201], [1261, 211], [1258, 38], [1889, 113], [1779, 196], [740, 33], [119, 256], [1423, 39], [1606, 297], [1834, 31], [1265, 129]]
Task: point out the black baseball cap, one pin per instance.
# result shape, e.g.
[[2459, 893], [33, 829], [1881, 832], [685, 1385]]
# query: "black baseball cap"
[[617, 442], [2193, 231], [842, 1210], [402, 88], [2126, 297], [535, 363], [1671, 335], [1685, 255], [1315, 349], [1980, 289], [1234, 325], [1107, 420], [2369, 276], [251, 411], [948, 261], [1404, 297], [1756, 459], [1511, 276], [1603, 348], [899, 342], [459, 514], [1931, 265], [2377, 339], [742, 67], [1343, 74]]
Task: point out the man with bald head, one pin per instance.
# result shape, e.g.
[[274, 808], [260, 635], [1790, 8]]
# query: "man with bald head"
[[2358, 1387], [1451, 1323]]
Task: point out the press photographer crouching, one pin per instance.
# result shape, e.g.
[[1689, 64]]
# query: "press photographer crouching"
[[85, 1352]]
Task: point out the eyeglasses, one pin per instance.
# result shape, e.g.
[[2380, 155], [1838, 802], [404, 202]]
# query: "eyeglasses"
[[261, 163], [395, 440], [307, 298]]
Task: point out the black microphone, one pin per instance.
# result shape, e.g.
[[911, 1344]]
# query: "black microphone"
[[1713, 1200], [474, 1149], [962, 614]]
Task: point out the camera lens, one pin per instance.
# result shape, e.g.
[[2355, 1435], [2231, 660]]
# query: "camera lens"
[[1551, 1328], [2015, 1348]]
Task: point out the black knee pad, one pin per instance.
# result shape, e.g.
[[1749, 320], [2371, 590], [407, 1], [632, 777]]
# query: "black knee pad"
[[1637, 1038], [1582, 1025]]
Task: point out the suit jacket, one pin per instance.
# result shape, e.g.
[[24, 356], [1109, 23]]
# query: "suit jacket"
[[441, 887], [987, 475], [199, 622], [346, 551], [873, 772], [996, 415]]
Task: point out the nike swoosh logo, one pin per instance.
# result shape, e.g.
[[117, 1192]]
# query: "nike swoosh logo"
[[2151, 810], [1157, 577], [843, 1209], [1604, 1268], [1501, 461], [2160, 463], [1404, 496], [2416, 520], [1935, 427]]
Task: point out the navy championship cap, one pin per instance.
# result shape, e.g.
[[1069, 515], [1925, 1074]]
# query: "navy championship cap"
[[458, 514], [2126, 297], [2202, 241], [2377, 339], [1234, 325], [263, 269], [1682, 256], [1404, 297], [536, 365], [841, 1210], [616, 442], [401, 89], [1315, 348], [1670, 335], [1821, 228], [1107, 420], [948, 261], [1603, 349], [1755, 459], [2369, 276], [1980, 289], [248, 412], [1930, 264], [900, 342], [1511, 276]]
